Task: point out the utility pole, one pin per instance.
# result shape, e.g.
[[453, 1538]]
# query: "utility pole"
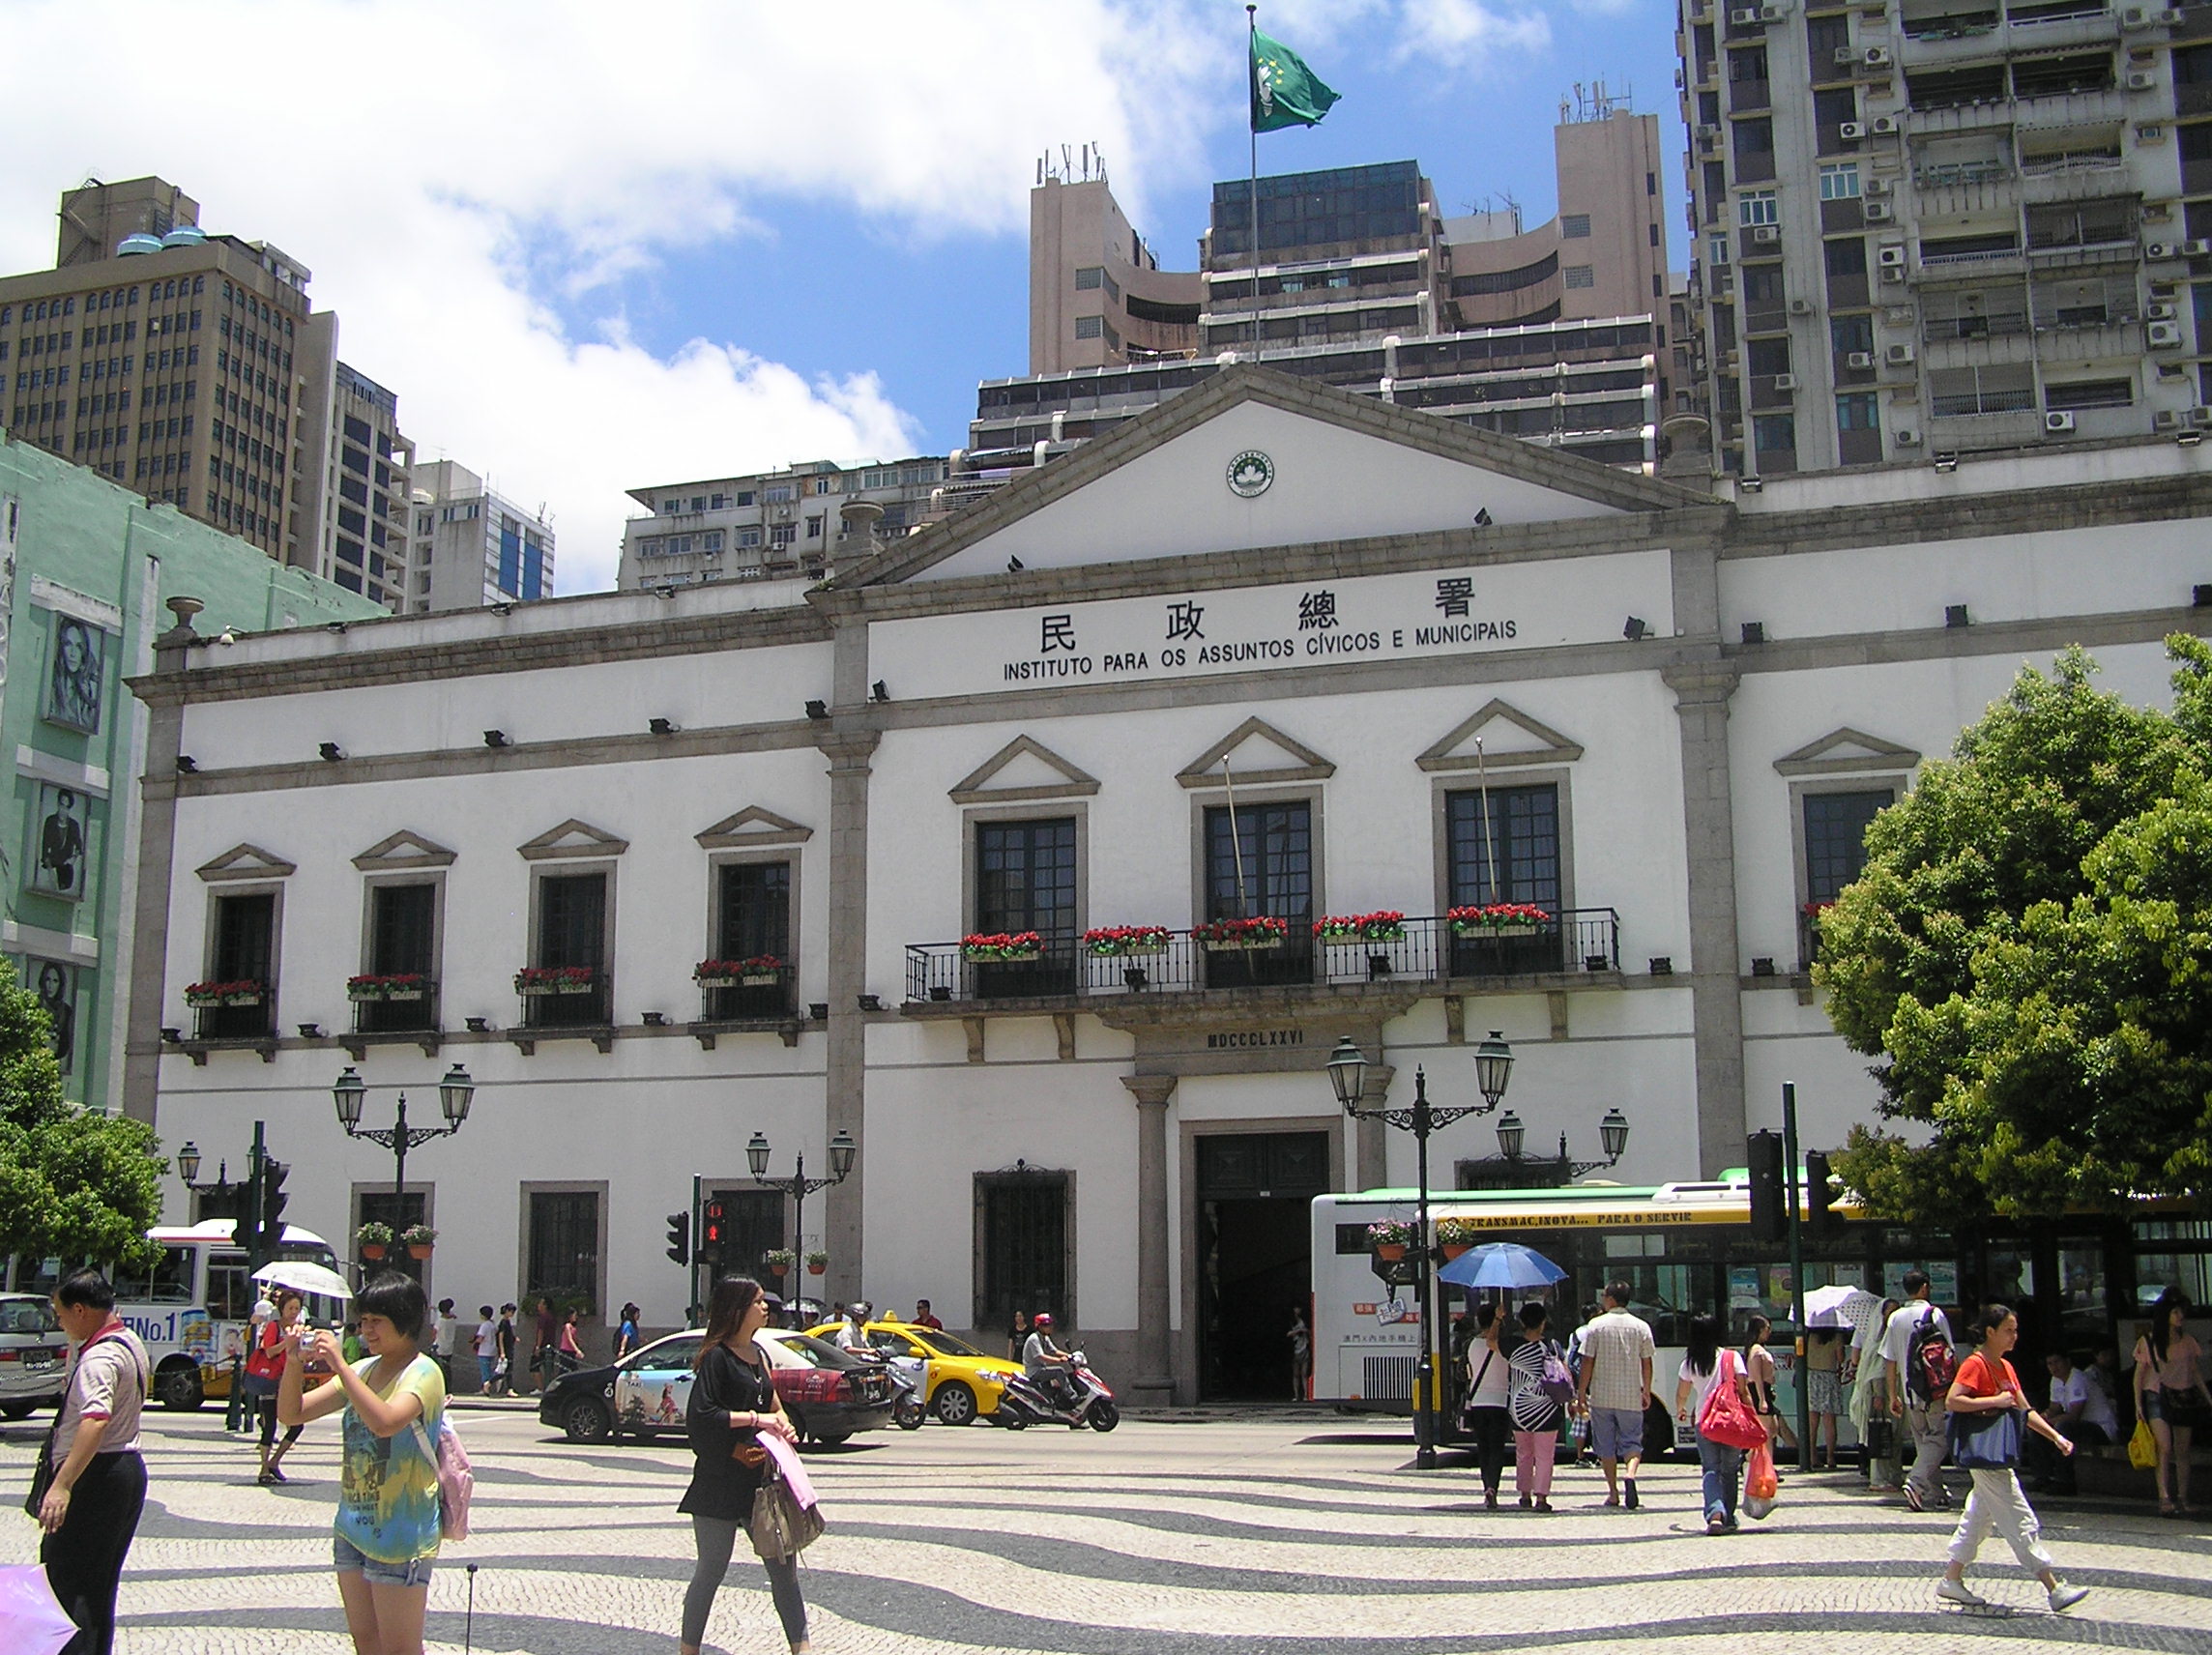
[[1790, 1175]]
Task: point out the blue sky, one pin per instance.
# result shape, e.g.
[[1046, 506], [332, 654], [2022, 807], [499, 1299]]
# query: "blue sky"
[[598, 248]]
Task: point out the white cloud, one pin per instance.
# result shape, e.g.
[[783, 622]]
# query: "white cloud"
[[446, 171], [1466, 33]]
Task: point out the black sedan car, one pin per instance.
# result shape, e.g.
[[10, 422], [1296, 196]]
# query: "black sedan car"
[[827, 1393]]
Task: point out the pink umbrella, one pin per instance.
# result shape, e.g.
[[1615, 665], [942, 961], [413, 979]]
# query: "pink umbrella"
[[31, 1619]]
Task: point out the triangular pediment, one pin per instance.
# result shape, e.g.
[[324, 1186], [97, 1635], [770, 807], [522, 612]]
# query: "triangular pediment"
[[404, 849], [572, 840], [754, 825], [246, 862], [1846, 752], [1508, 738], [1023, 769], [1178, 480], [1254, 754]]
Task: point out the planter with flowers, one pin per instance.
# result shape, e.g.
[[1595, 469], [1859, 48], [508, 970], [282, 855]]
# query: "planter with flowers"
[[1455, 1235], [246, 991], [533, 982], [1383, 925], [373, 1238], [1127, 941], [1497, 920], [1227, 936], [1387, 1238], [780, 1259], [419, 1239], [1000, 947], [760, 971], [397, 985], [817, 1264]]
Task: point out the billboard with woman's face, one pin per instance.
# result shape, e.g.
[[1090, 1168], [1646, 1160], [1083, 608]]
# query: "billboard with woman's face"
[[72, 680]]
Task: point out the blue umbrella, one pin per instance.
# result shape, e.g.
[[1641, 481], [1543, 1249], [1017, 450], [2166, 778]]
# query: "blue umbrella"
[[1502, 1264]]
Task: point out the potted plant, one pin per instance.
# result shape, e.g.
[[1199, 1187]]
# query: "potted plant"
[[780, 1259], [1387, 1238], [373, 1238], [419, 1238], [395, 985], [716, 973], [1000, 947], [817, 1264], [202, 994], [1455, 1235], [1497, 920], [1225, 936], [534, 980], [762, 971], [1383, 925], [1126, 941]]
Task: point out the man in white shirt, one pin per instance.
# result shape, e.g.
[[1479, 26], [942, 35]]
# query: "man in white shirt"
[[486, 1343], [2080, 1411], [1925, 1417], [1615, 1390]]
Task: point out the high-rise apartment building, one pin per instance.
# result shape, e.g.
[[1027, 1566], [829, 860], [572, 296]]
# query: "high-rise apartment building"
[[796, 521], [1929, 226], [1556, 333], [471, 547], [188, 367], [367, 534]]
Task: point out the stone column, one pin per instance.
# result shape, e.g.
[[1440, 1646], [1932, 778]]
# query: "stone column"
[[1370, 1139], [156, 856], [1154, 1386], [848, 745], [1702, 693]]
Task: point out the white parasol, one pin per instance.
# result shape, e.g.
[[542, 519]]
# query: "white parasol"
[[302, 1277], [1840, 1307]]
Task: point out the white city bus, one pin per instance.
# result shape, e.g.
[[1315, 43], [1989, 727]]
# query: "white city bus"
[[1684, 1249], [193, 1310]]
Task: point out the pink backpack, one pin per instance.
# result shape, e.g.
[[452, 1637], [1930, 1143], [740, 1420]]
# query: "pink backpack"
[[456, 1482]]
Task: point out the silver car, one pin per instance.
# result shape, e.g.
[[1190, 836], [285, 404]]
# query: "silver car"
[[34, 1354]]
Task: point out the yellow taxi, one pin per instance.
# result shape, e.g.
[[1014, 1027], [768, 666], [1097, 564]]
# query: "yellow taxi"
[[960, 1380]]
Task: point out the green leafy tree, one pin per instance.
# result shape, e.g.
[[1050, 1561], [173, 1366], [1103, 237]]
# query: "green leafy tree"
[[74, 1184], [2028, 953]]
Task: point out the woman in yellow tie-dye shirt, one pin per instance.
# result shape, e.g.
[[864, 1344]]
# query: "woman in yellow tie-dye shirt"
[[388, 1522]]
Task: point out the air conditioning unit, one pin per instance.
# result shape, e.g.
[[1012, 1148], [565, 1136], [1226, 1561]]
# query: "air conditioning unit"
[[2055, 422], [1851, 131], [1906, 437], [1880, 211], [1880, 186], [1786, 382], [1885, 125], [2159, 250], [2167, 420], [1893, 272], [2159, 312], [1899, 354], [2145, 18], [1876, 57], [1744, 16], [1845, 56], [2195, 249], [1708, 137], [1860, 361], [2142, 80], [2199, 418], [1800, 308], [1773, 14], [2163, 336], [1765, 234], [1891, 258]]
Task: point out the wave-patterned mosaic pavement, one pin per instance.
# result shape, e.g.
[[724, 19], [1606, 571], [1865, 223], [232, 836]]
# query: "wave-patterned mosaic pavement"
[[1246, 1537]]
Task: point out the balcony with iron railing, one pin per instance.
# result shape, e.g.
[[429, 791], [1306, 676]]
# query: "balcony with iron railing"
[[563, 997], [1548, 948], [395, 1003]]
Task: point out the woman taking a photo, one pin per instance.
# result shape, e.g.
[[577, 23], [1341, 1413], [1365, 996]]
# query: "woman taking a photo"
[[395, 1404], [2170, 1393], [732, 1403]]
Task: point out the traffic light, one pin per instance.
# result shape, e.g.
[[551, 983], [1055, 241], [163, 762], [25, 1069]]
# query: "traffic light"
[[1819, 1219], [680, 1238], [1770, 1212], [272, 1199], [714, 1236]]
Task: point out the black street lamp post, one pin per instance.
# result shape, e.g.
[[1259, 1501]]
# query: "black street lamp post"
[[798, 1186], [1493, 1072], [454, 1094]]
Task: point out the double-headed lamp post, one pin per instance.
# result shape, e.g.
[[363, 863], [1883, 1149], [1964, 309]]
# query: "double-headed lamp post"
[[843, 1151], [1493, 1072], [454, 1094]]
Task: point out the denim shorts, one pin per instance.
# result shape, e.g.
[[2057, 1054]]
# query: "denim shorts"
[[350, 1561]]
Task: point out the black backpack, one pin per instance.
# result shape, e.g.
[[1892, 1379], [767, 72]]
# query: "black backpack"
[[1931, 1364]]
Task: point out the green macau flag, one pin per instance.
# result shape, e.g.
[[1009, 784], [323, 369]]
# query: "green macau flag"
[[1285, 91]]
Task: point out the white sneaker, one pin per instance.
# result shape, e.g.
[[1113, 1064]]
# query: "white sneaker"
[[2065, 1597], [1959, 1592]]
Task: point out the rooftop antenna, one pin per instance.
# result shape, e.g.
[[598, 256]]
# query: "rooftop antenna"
[[1066, 163]]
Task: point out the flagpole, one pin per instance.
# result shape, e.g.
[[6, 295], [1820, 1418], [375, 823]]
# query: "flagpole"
[[1252, 120]]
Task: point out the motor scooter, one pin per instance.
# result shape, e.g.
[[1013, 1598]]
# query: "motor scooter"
[[1027, 1400], [908, 1375]]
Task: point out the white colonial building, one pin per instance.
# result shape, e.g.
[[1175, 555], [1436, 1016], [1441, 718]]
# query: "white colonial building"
[[1269, 651]]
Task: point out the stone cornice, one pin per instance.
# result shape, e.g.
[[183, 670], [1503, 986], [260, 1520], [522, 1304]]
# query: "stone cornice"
[[1904, 522]]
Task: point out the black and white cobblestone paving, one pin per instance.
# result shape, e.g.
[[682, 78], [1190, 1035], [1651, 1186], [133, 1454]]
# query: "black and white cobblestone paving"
[[1241, 1537]]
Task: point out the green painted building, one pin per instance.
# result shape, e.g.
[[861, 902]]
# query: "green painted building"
[[86, 567]]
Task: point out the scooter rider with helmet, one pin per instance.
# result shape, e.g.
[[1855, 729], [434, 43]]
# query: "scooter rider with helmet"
[[852, 1332], [1046, 1362]]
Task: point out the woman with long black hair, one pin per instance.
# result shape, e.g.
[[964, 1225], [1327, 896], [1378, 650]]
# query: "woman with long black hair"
[[2171, 1392], [732, 1401]]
